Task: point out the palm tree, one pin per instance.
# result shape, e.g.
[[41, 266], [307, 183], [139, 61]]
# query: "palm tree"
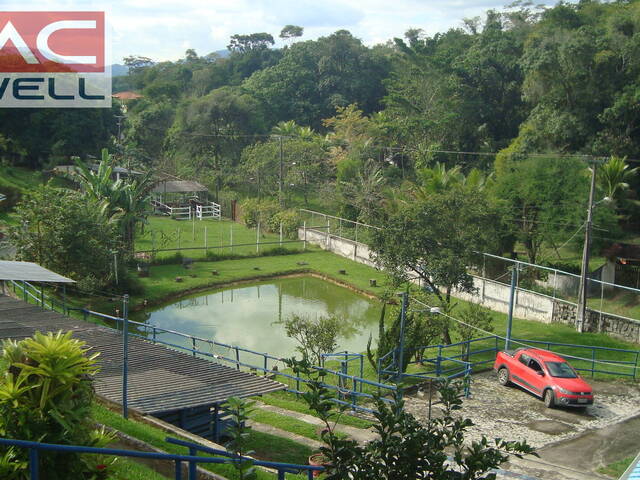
[[122, 201], [614, 177]]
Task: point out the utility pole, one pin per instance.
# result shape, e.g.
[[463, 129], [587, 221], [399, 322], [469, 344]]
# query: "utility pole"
[[584, 273], [512, 296], [280, 190], [400, 350]]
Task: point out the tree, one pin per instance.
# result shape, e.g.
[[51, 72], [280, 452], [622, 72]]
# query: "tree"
[[61, 231], [238, 431], [546, 198], [475, 318], [404, 448], [315, 337], [614, 177], [289, 32], [436, 240], [123, 202], [253, 41]]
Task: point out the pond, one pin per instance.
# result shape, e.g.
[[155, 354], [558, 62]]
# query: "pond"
[[251, 316]]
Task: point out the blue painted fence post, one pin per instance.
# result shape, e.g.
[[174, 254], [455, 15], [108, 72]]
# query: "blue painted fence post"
[[34, 466], [125, 354]]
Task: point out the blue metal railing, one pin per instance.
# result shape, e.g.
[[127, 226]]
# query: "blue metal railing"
[[348, 387], [191, 460]]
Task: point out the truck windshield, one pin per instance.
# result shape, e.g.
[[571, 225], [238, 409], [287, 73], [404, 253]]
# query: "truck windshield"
[[561, 370]]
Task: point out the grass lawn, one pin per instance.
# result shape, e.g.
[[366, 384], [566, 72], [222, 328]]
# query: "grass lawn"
[[161, 282], [289, 424], [289, 401], [266, 447], [616, 469], [128, 469], [166, 233]]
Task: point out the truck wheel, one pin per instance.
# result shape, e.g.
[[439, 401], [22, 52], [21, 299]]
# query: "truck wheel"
[[503, 376], [549, 398]]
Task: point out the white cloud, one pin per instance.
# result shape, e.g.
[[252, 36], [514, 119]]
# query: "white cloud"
[[161, 29]]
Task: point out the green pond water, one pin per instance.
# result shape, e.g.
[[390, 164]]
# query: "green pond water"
[[248, 316]]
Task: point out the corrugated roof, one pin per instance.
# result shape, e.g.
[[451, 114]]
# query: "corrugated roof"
[[160, 379], [179, 186], [31, 272]]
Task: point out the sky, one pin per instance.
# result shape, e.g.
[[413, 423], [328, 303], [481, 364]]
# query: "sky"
[[164, 29]]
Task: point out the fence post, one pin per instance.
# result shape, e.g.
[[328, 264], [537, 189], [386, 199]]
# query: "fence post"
[[593, 361], [231, 237], [280, 233], [178, 470], [178, 238], [237, 359], [438, 360], [34, 464], [328, 232], [555, 279], [635, 370], [41, 296], [356, 232], [258, 238], [125, 353], [193, 343], [265, 366], [193, 466], [304, 229]]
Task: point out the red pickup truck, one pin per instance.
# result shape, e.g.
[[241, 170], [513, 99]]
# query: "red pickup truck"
[[544, 374]]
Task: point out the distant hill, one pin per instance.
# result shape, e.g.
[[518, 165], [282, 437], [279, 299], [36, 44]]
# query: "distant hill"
[[118, 70]]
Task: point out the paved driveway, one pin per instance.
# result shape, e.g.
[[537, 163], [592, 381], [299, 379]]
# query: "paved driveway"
[[579, 439]]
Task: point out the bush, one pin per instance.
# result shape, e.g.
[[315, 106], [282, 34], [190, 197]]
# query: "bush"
[[13, 197], [46, 393], [258, 211], [290, 220]]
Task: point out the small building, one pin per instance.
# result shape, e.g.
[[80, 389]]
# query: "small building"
[[179, 193], [623, 264], [116, 172]]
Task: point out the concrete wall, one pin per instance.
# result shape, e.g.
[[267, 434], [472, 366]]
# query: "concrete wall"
[[358, 252], [494, 295]]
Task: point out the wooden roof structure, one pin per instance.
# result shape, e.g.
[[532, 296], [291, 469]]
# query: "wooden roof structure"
[[160, 379], [178, 186]]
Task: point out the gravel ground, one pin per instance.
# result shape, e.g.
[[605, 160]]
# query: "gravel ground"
[[514, 414]]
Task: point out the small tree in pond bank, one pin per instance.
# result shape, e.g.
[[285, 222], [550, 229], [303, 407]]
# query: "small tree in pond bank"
[[435, 239], [315, 337], [405, 449]]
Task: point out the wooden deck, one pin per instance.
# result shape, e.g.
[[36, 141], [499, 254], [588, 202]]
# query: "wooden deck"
[[160, 379]]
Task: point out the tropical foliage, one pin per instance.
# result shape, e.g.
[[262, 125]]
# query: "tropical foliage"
[[46, 393]]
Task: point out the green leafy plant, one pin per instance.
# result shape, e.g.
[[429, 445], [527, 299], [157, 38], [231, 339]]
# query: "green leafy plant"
[[45, 395], [238, 432], [314, 337], [406, 449]]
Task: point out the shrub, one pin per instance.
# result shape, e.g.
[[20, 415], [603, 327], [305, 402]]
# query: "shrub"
[[46, 393], [258, 211], [290, 220]]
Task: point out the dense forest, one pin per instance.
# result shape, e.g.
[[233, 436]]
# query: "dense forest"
[[515, 104]]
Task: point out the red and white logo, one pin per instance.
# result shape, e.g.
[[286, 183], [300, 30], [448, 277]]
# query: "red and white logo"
[[53, 59], [52, 41]]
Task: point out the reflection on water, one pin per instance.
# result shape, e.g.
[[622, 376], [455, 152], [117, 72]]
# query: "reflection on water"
[[250, 316]]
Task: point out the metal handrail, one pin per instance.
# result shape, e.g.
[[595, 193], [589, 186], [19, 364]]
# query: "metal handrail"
[[192, 459]]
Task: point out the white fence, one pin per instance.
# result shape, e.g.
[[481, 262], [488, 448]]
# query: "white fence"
[[493, 294], [208, 210]]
